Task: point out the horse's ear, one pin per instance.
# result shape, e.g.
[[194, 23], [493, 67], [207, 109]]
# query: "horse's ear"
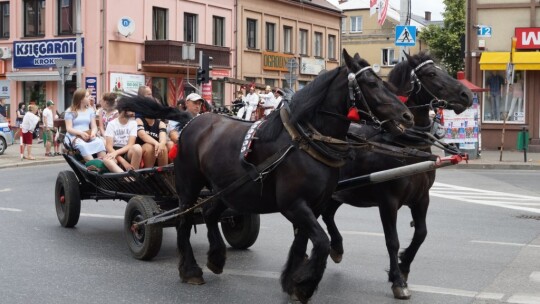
[[348, 59], [357, 57], [409, 57]]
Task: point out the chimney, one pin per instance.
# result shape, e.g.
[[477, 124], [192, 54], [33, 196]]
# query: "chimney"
[[427, 16]]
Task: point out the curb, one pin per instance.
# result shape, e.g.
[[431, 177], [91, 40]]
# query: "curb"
[[28, 163]]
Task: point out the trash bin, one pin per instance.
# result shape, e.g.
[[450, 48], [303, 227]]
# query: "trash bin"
[[522, 140]]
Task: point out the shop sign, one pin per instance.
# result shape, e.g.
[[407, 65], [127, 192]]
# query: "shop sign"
[[207, 91], [311, 66], [275, 61], [4, 88], [44, 53], [527, 38], [125, 83], [220, 73]]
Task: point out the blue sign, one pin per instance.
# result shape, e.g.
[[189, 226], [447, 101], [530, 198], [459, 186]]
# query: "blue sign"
[[484, 31], [91, 84], [43, 53], [405, 35]]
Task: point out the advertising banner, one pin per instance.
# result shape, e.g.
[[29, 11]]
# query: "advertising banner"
[[462, 128], [125, 83]]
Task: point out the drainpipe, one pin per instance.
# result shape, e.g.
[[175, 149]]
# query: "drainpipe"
[[103, 39], [78, 39], [235, 61]]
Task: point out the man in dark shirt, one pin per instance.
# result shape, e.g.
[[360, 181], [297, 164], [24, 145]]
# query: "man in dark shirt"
[[495, 83], [3, 108]]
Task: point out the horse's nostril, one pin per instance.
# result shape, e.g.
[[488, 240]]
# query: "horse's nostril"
[[407, 116]]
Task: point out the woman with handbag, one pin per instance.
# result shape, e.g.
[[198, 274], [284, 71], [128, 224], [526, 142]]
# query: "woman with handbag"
[[28, 125], [81, 127]]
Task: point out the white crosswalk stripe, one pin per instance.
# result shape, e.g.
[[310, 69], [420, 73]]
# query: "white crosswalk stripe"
[[487, 197]]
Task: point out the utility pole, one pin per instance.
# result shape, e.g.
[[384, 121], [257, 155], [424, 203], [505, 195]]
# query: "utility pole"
[[78, 42], [403, 18]]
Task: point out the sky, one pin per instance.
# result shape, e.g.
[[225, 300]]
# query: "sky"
[[436, 7]]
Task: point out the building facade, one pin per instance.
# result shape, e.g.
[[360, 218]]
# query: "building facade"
[[158, 43], [513, 91]]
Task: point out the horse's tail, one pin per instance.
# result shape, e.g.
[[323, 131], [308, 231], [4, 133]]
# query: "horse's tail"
[[149, 108]]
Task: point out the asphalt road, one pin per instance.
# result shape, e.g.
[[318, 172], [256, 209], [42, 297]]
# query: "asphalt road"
[[483, 246]]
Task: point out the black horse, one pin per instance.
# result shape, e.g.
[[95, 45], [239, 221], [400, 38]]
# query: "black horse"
[[304, 141], [426, 87]]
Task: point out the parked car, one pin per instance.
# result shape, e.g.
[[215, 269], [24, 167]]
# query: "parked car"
[[6, 137]]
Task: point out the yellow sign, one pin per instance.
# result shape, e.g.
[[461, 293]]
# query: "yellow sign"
[[275, 61]]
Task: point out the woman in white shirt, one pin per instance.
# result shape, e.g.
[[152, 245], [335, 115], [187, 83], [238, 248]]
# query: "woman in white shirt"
[[28, 125]]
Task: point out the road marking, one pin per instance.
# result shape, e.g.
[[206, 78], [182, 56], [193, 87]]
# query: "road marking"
[[505, 244], [524, 299], [362, 233], [10, 209], [121, 217], [5, 190], [486, 197], [251, 273]]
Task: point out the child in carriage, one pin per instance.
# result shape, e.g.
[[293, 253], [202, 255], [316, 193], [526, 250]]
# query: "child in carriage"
[[123, 154]]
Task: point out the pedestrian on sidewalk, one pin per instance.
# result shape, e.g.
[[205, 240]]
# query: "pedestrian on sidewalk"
[[18, 121], [28, 125], [49, 131]]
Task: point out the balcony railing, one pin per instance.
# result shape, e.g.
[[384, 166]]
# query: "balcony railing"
[[170, 52]]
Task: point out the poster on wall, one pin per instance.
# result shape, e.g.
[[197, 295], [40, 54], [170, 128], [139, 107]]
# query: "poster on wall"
[[125, 83], [4, 88], [463, 128], [91, 85]]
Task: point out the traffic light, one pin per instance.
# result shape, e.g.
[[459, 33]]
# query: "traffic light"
[[206, 68], [200, 76]]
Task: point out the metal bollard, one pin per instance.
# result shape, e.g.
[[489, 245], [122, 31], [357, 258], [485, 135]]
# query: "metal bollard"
[[524, 139]]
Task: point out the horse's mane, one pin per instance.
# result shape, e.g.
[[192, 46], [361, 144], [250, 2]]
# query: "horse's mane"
[[149, 108], [400, 75], [302, 105]]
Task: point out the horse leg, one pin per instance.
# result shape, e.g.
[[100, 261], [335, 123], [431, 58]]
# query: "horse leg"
[[297, 256], [336, 240], [188, 269], [418, 213], [306, 274], [388, 214], [217, 250]]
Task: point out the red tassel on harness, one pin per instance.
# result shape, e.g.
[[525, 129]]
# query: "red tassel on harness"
[[403, 98], [173, 152], [353, 114]]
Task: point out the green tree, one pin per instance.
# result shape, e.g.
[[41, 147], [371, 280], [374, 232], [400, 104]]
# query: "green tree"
[[444, 42]]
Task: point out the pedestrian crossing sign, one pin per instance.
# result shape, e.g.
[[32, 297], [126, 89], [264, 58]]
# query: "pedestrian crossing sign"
[[405, 35]]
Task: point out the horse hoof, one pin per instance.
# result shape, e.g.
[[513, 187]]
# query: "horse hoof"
[[194, 281], [336, 256], [295, 297], [215, 269], [401, 293]]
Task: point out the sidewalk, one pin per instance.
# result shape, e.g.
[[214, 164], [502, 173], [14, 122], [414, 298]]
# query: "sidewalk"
[[488, 160]]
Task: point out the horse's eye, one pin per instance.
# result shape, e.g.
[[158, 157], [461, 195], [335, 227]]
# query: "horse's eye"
[[432, 74]]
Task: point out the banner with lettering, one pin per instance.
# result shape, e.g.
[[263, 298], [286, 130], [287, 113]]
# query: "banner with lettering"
[[44, 53]]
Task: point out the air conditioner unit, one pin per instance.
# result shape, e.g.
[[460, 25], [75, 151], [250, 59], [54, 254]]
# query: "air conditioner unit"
[[5, 53]]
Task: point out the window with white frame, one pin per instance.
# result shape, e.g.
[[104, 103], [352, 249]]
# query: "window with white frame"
[[387, 57], [219, 31], [159, 23], [317, 45], [343, 24], [287, 39], [303, 42], [356, 24], [190, 27], [270, 36], [251, 33], [331, 47]]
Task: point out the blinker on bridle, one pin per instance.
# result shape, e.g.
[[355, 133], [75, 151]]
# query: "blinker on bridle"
[[355, 95], [415, 82]]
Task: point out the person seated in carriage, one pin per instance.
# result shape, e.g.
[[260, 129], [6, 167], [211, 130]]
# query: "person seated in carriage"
[[193, 104], [120, 138], [152, 137], [82, 128], [251, 102]]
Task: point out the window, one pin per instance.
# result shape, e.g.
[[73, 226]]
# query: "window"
[[331, 47], [343, 24], [4, 22], [159, 89], [34, 92], [496, 105], [159, 23], [66, 11], [303, 42], [250, 79], [34, 18], [219, 31], [270, 36], [218, 93], [190, 27], [269, 81], [252, 33], [287, 39], [318, 45], [388, 57], [356, 24]]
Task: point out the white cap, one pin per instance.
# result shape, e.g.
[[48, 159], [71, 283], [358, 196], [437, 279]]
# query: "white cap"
[[194, 97]]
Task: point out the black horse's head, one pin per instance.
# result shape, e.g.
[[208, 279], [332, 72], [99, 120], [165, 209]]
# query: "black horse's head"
[[328, 99], [426, 84]]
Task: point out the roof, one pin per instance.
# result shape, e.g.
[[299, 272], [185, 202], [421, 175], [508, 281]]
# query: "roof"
[[320, 3], [392, 12]]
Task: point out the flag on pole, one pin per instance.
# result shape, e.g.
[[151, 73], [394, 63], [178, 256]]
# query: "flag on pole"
[[373, 7], [382, 7]]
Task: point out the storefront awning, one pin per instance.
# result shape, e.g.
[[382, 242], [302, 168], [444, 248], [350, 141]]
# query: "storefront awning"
[[526, 60], [35, 76], [494, 60]]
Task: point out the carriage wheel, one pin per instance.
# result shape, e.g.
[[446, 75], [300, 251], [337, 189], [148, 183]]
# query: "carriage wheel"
[[67, 199], [242, 231], [144, 241]]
